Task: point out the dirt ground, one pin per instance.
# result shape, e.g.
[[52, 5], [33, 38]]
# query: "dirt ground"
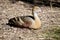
[[50, 19]]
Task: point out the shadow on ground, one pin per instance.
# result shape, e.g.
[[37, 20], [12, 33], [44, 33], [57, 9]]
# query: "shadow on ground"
[[46, 3]]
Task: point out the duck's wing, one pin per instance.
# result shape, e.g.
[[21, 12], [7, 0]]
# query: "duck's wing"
[[15, 21], [24, 17], [22, 20], [27, 20]]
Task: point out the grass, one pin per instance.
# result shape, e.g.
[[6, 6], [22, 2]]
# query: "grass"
[[57, 34], [53, 33]]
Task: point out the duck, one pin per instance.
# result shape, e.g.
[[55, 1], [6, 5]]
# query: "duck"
[[32, 22]]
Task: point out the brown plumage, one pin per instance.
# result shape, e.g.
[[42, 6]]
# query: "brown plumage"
[[28, 21]]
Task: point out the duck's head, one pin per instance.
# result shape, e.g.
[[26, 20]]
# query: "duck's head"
[[36, 9]]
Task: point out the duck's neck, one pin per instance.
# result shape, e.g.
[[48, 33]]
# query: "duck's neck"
[[35, 14]]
